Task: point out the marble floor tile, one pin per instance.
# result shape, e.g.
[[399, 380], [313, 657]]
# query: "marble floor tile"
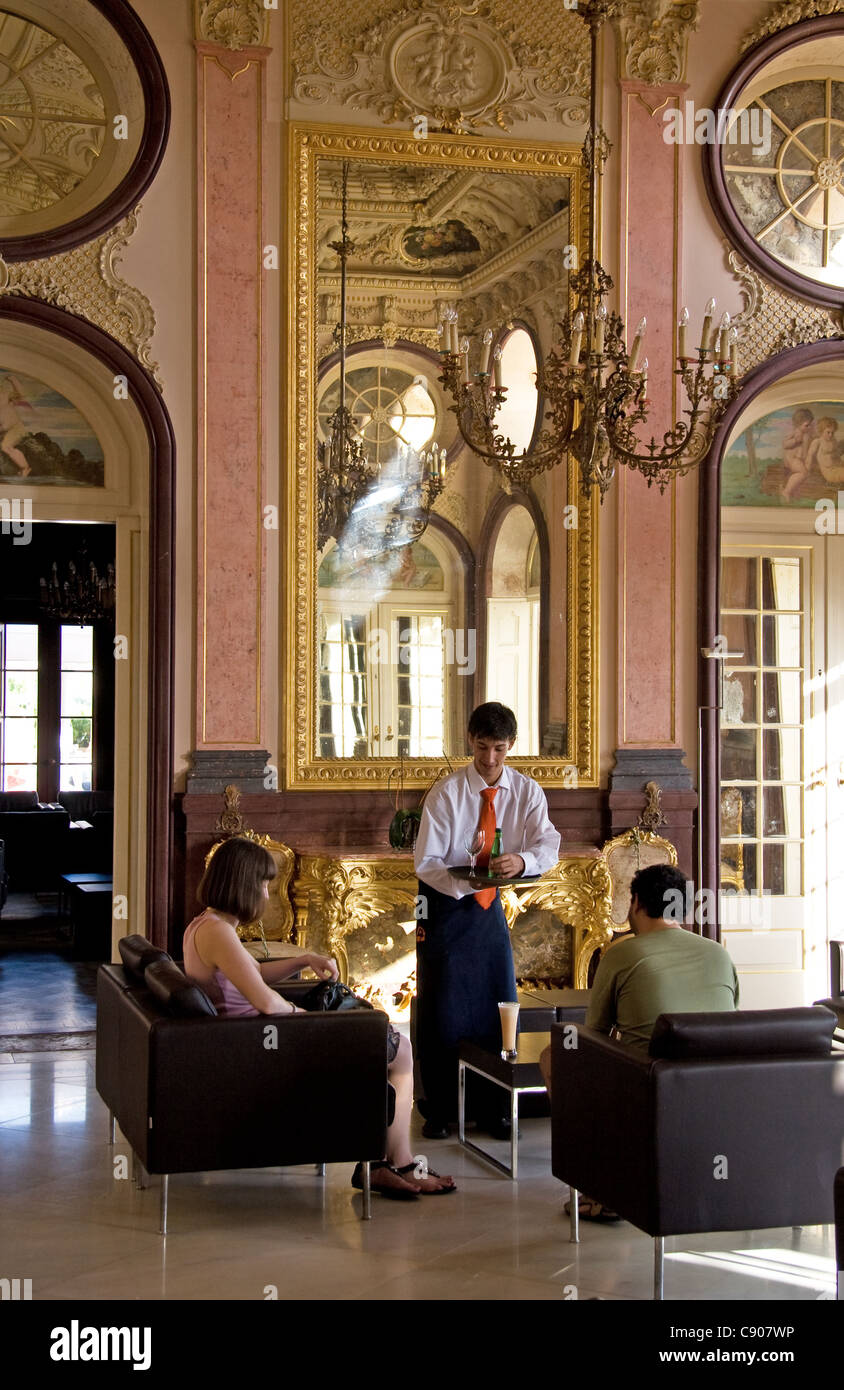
[[74, 1223]]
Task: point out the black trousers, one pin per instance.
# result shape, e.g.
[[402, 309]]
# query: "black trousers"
[[464, 968]]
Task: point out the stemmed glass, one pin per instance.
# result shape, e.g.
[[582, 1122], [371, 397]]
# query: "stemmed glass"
[[473, 845]]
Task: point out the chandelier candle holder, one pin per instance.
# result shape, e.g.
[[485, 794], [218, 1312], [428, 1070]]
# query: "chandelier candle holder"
[[594, 390], [397, 510], [84, 597]]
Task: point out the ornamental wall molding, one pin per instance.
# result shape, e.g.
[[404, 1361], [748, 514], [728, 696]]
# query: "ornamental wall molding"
[[653, 39], [86, 282], [452, 64], [792, 12], [773, 321], [233, 24]]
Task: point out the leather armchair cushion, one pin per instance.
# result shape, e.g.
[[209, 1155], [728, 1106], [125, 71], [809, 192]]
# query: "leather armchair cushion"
[[19, 801], [745, 1033], [172, 989], [137, 953]]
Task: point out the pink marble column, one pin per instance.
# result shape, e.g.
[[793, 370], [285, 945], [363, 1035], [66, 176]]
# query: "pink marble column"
[[650, 202], [230, 536]]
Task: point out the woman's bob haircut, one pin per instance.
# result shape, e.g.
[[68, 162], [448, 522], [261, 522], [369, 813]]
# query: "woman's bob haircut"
[[234, 879]]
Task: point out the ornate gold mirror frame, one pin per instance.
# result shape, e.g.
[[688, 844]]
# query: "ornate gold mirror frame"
[[308, 143]]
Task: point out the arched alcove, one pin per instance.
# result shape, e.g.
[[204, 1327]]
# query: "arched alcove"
[[83, 363]]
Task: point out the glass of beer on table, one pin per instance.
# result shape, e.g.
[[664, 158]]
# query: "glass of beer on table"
[[509, 1012]]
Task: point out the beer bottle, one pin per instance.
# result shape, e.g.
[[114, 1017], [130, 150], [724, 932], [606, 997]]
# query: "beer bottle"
[[496, 849]]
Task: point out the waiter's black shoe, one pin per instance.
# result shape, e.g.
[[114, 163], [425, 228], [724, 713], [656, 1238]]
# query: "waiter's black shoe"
[[497, 1127], [435, 1128]]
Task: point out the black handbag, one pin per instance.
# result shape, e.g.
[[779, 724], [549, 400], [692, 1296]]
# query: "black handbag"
[[332, 996]]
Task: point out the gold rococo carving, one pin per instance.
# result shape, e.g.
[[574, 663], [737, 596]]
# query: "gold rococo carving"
[[302, 769], [344, 895], [233, 24], [653, 39], [785, 15], [773, 321], [86, 281]]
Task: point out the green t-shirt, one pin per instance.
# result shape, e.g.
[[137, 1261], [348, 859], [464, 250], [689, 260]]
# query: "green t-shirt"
[[664, 972]]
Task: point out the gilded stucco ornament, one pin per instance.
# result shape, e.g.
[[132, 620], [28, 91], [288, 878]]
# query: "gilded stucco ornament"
[[792, 12], [772, 321], [86, 282], [653, 39], [233, 24], [456, 65]]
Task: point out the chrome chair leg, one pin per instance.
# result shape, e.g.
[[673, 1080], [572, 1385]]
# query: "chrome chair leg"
[[574, 1216], [659, 1267], [162, 1225], [367, 1192], [320, 1169]]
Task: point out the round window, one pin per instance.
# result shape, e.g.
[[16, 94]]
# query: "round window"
[[84, 113], [776, 177]]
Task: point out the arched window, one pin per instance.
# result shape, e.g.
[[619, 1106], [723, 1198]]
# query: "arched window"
[[516, 419]]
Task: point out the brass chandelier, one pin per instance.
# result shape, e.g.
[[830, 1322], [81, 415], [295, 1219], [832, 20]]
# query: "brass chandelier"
[[596, 392], [367, 507]]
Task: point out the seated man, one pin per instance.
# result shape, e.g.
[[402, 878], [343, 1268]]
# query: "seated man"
[[661, 968]]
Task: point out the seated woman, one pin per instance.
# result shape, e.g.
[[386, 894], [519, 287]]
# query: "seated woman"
[[232, 889]]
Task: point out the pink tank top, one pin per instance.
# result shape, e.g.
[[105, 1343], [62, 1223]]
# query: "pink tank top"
[[227, 1000]]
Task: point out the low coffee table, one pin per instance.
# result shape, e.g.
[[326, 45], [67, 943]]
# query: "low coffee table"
[[518, 1076]]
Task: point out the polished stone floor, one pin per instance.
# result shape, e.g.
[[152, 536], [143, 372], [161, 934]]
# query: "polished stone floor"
[[44, 992], [75, 1226]]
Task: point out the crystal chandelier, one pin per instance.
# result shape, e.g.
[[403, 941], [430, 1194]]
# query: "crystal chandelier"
[[596, 392], [83, 597], [369, 507]]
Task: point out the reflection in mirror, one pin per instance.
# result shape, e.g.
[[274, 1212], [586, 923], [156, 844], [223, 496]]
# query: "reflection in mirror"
[[431, 599]]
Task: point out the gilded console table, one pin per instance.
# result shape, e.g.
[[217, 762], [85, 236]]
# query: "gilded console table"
[[338, 896]]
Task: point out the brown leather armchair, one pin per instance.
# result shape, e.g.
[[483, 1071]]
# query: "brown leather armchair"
[[193, 1092], [732, 1121]]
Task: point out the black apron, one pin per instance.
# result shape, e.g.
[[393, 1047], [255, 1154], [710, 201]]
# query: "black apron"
[[464, 967]]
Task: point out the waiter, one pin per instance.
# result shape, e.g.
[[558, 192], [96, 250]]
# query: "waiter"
[[464, 961]]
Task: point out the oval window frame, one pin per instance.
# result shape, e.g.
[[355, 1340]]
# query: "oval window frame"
[[757, 58], [124, 197]]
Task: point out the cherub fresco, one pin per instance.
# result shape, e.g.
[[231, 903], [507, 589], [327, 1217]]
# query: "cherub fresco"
[[791, 457], [12, 427], [44, 437]]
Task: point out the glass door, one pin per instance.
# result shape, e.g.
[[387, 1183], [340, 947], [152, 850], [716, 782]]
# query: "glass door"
[[773, 771]]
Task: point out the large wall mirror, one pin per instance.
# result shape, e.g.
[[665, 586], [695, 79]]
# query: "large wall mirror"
[[409, 604]]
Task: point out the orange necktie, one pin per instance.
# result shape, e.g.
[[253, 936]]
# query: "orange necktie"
[[486, 825]]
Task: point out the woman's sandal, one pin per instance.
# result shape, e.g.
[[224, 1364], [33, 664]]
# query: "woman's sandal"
[[429, 1173], [588, 1210], [400, 1191]]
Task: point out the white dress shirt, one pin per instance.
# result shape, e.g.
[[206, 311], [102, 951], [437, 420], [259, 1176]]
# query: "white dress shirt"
[[452, 810]]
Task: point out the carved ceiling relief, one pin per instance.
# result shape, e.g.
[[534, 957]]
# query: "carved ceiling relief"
[[419, 233], [460, 66]]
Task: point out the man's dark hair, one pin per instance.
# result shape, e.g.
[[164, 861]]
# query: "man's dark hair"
[[656, 888], [493, 720], [234, 879]]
